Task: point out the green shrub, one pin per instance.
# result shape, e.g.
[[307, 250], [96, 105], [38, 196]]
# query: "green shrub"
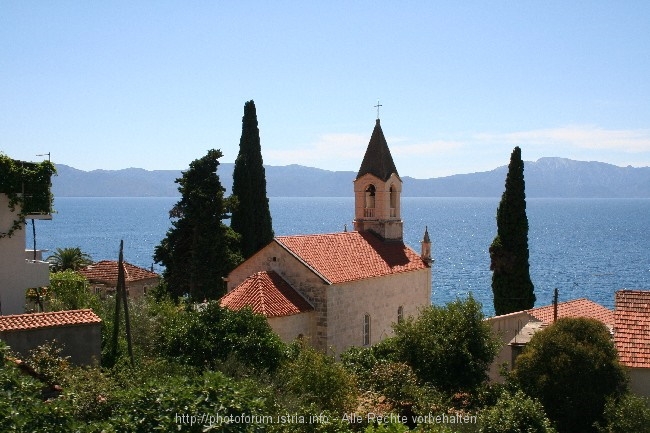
[[515, 413], [317, 379], [171, 404], [209, 337], [572, 368], [22, 408], [449, 347], [630, 413]]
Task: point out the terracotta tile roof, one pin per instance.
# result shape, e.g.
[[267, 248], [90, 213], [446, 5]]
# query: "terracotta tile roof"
[[20, 322], [632, 327], [576, 308], [377, 160], [350, 256], [106, 272], [266, 293]]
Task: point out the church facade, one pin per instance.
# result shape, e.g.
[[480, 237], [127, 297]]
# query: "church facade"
[[339, 290]]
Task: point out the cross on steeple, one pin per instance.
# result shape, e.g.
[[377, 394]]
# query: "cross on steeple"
[[377, 107]]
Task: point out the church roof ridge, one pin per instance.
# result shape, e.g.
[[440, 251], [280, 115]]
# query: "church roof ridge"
[[351, 256], [267, 293], [377, 159]]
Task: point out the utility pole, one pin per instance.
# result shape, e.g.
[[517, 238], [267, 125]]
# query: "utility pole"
[[120, 295]]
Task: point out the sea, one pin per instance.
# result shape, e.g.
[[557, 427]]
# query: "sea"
[[583, 247]]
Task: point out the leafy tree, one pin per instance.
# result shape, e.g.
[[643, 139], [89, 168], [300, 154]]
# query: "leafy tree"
[[572, 368], [69, 258], [69, 291], [199, 250], [251, 217], [319, 380], [209, 337], [630, 413], [513, 290], [449, 347], [515, 413]]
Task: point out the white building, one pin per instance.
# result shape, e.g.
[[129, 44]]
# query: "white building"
[[20, 269]]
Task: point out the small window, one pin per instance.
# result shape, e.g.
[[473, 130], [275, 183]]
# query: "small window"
[[400, 314], [366, 330], [370, 197]]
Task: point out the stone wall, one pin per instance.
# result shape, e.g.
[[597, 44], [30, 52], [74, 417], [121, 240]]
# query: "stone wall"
[[289, 328], [82, 343], [275, 258], [380, 297]]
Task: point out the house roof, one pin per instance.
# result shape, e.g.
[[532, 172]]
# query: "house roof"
[[524, 336], [575, 308], [632, 327], [106, 272], [266, 293], [21, 322], [377, 160], [351, 256]]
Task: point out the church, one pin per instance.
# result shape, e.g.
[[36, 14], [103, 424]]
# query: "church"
[[339, 290]]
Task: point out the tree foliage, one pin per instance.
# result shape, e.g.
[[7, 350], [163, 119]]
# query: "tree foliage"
[[511, 284], [210, 336], [449, 347], [515, 413], [251, 217], [630, 413], [319, 380], [572, 368], [71, 258], [69, 291], [199, 249], [27, 185]]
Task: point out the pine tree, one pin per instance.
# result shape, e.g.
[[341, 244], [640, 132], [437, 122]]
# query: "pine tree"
[[251, 217], [511, 284], [199, 250]]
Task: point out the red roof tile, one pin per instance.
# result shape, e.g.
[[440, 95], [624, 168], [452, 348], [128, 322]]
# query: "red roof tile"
[[576, 308], [350, 256], [266, 293], [632, 327], [106, 272], [19, 322]]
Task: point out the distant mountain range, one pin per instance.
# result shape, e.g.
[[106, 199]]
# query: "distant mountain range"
[[546, 177]]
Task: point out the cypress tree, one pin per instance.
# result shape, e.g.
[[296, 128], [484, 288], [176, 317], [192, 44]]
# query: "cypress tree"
[[251, 217], [199, 249], [511, 284]]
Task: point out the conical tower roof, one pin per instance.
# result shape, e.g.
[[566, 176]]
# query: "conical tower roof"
[[377, 160]]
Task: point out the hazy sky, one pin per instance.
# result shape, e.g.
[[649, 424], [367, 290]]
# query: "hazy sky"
[[155, 84]]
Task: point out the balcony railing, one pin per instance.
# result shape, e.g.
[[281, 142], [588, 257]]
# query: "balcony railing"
[[393, 212], [369, 212], [36, 274]]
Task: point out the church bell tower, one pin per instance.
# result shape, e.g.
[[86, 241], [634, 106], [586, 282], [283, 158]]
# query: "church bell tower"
[[377, 191]]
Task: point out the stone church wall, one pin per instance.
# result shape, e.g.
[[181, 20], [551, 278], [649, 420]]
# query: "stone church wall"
[[289, 328], [275, 258], [380, 297]]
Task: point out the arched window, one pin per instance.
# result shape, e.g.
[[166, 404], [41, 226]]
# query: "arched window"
[[369, 203], [393, 201], [366, 330], [400, 314]]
